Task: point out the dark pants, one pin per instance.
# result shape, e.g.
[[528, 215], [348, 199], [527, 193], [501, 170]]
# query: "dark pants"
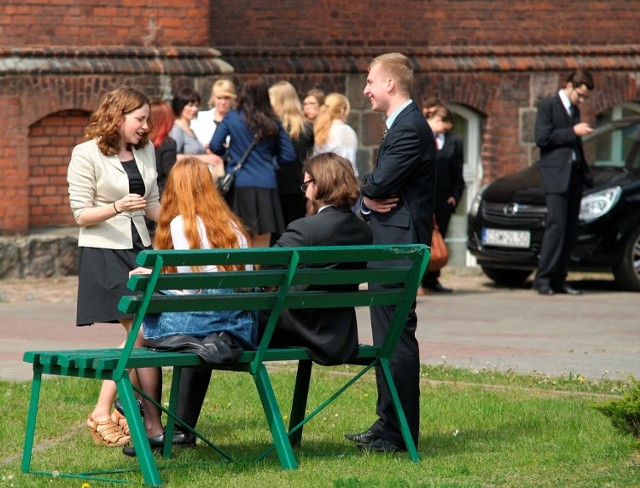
[[194, 383], [405, 369], [559, 235]]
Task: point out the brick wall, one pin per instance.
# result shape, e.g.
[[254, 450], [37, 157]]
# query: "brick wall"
[[50, 142], [104, 23], [496, 58], [410, 23]]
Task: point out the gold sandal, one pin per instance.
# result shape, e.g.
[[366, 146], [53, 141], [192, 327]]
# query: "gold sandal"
[[107, 433], [121, 422]]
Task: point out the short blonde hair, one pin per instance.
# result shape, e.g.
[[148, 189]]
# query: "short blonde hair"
[[397, 67], [222, 88]]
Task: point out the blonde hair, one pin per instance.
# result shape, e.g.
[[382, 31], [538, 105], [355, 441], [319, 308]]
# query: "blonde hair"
[[222, 88], [335, 105], [287, 106], [397, 67]]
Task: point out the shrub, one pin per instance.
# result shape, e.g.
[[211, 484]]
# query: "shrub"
[[625, 412]]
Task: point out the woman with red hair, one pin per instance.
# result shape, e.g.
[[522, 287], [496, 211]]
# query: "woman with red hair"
[[194, 216]]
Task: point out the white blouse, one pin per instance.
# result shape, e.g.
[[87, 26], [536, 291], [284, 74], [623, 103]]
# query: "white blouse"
[[343, 141]]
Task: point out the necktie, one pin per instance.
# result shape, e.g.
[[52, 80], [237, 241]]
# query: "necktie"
[[575, 117], [384, 134]]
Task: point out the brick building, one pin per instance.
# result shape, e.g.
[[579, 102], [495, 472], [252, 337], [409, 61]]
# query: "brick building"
[[491, 60]]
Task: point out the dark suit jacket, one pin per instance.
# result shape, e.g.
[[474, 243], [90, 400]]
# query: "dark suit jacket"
[[449, 163], [557, 142], [405, 168], [330, 335]]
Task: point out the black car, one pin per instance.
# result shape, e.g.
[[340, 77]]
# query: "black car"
[[507, 218]]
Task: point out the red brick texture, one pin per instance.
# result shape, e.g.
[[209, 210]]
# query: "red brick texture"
[[498, 59]]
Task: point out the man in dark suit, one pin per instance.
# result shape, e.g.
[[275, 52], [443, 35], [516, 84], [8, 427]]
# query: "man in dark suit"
[[398, 201], [564, 173]]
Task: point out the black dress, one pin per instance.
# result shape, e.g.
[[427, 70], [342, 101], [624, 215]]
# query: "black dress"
[[103, 273]]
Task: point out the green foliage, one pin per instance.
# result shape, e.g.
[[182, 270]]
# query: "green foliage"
[[624, 412]]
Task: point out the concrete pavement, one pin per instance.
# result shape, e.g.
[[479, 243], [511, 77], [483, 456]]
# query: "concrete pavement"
[[596, 335]]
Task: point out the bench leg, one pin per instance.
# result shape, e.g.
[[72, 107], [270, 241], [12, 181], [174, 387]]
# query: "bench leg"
[[299, 404], [138, 433], [397, 406], [274, 418], [31, 420]]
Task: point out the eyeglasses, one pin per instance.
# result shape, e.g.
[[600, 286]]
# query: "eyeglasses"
[[582, 96], [306, 184]]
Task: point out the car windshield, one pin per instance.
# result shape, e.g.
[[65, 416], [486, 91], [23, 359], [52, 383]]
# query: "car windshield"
[[615, 144]]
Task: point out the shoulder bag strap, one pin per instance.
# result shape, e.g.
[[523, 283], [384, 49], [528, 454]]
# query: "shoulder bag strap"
[[245, 155]]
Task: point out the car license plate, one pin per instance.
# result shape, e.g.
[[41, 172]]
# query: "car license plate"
[[506, 238]]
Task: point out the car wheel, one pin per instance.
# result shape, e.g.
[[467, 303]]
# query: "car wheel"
[[627, 270], [508, 277]]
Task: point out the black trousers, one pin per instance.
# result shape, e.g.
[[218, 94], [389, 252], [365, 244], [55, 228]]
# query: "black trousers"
[[194, 383], [405, 369], [560, 234]]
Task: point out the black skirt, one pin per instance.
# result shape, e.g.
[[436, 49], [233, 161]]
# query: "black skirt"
[[259, 209], [102, 281]]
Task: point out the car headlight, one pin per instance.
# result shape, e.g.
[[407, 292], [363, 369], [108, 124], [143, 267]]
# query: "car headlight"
[[475, 205], [595, 205]]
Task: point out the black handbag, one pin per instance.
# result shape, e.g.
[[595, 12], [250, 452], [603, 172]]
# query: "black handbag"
[[226, 183]]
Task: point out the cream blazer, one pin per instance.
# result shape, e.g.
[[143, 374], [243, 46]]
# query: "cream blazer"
[[97, 180]]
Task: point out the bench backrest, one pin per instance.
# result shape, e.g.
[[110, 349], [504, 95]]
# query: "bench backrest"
[[288, 272]]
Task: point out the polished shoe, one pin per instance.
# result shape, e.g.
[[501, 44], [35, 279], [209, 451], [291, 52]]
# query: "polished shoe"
[[366, 437], [567, 289], [118, 406], [184, 439], [544, 290], [180, 439], [379, 445], [438, 288], [156, 443]]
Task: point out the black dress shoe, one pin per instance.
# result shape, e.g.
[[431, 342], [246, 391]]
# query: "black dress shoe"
[[366, 437], [437, 287], [118, 406], [156, 443], [544, 290], [569, 290], [379, 445], [180, 439], [184, 439]]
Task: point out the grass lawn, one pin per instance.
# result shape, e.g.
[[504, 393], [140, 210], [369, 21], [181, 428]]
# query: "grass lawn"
[[479, 429]]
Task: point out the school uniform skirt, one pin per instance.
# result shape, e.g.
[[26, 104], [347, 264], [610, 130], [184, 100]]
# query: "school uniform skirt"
[[259, 209], [102, 281]]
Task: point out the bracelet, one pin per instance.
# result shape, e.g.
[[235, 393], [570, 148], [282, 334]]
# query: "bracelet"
[[114, 207]]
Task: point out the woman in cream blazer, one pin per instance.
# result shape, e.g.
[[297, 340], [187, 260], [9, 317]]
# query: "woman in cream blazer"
[[112, 186]]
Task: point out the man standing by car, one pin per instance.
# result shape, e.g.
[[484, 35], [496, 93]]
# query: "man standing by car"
[[564, 173]]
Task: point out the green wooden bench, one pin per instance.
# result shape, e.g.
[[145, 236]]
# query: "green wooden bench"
[[280, 270]]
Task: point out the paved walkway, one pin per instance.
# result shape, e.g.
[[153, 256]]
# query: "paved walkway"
[[596, 335]]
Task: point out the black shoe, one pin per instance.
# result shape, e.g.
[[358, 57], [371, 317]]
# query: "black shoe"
[[437, 287], [118, 406], [184, 439], [366, 437], [180, 439], [569, 290], [379, 445], [155, 443], [544, 290]]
